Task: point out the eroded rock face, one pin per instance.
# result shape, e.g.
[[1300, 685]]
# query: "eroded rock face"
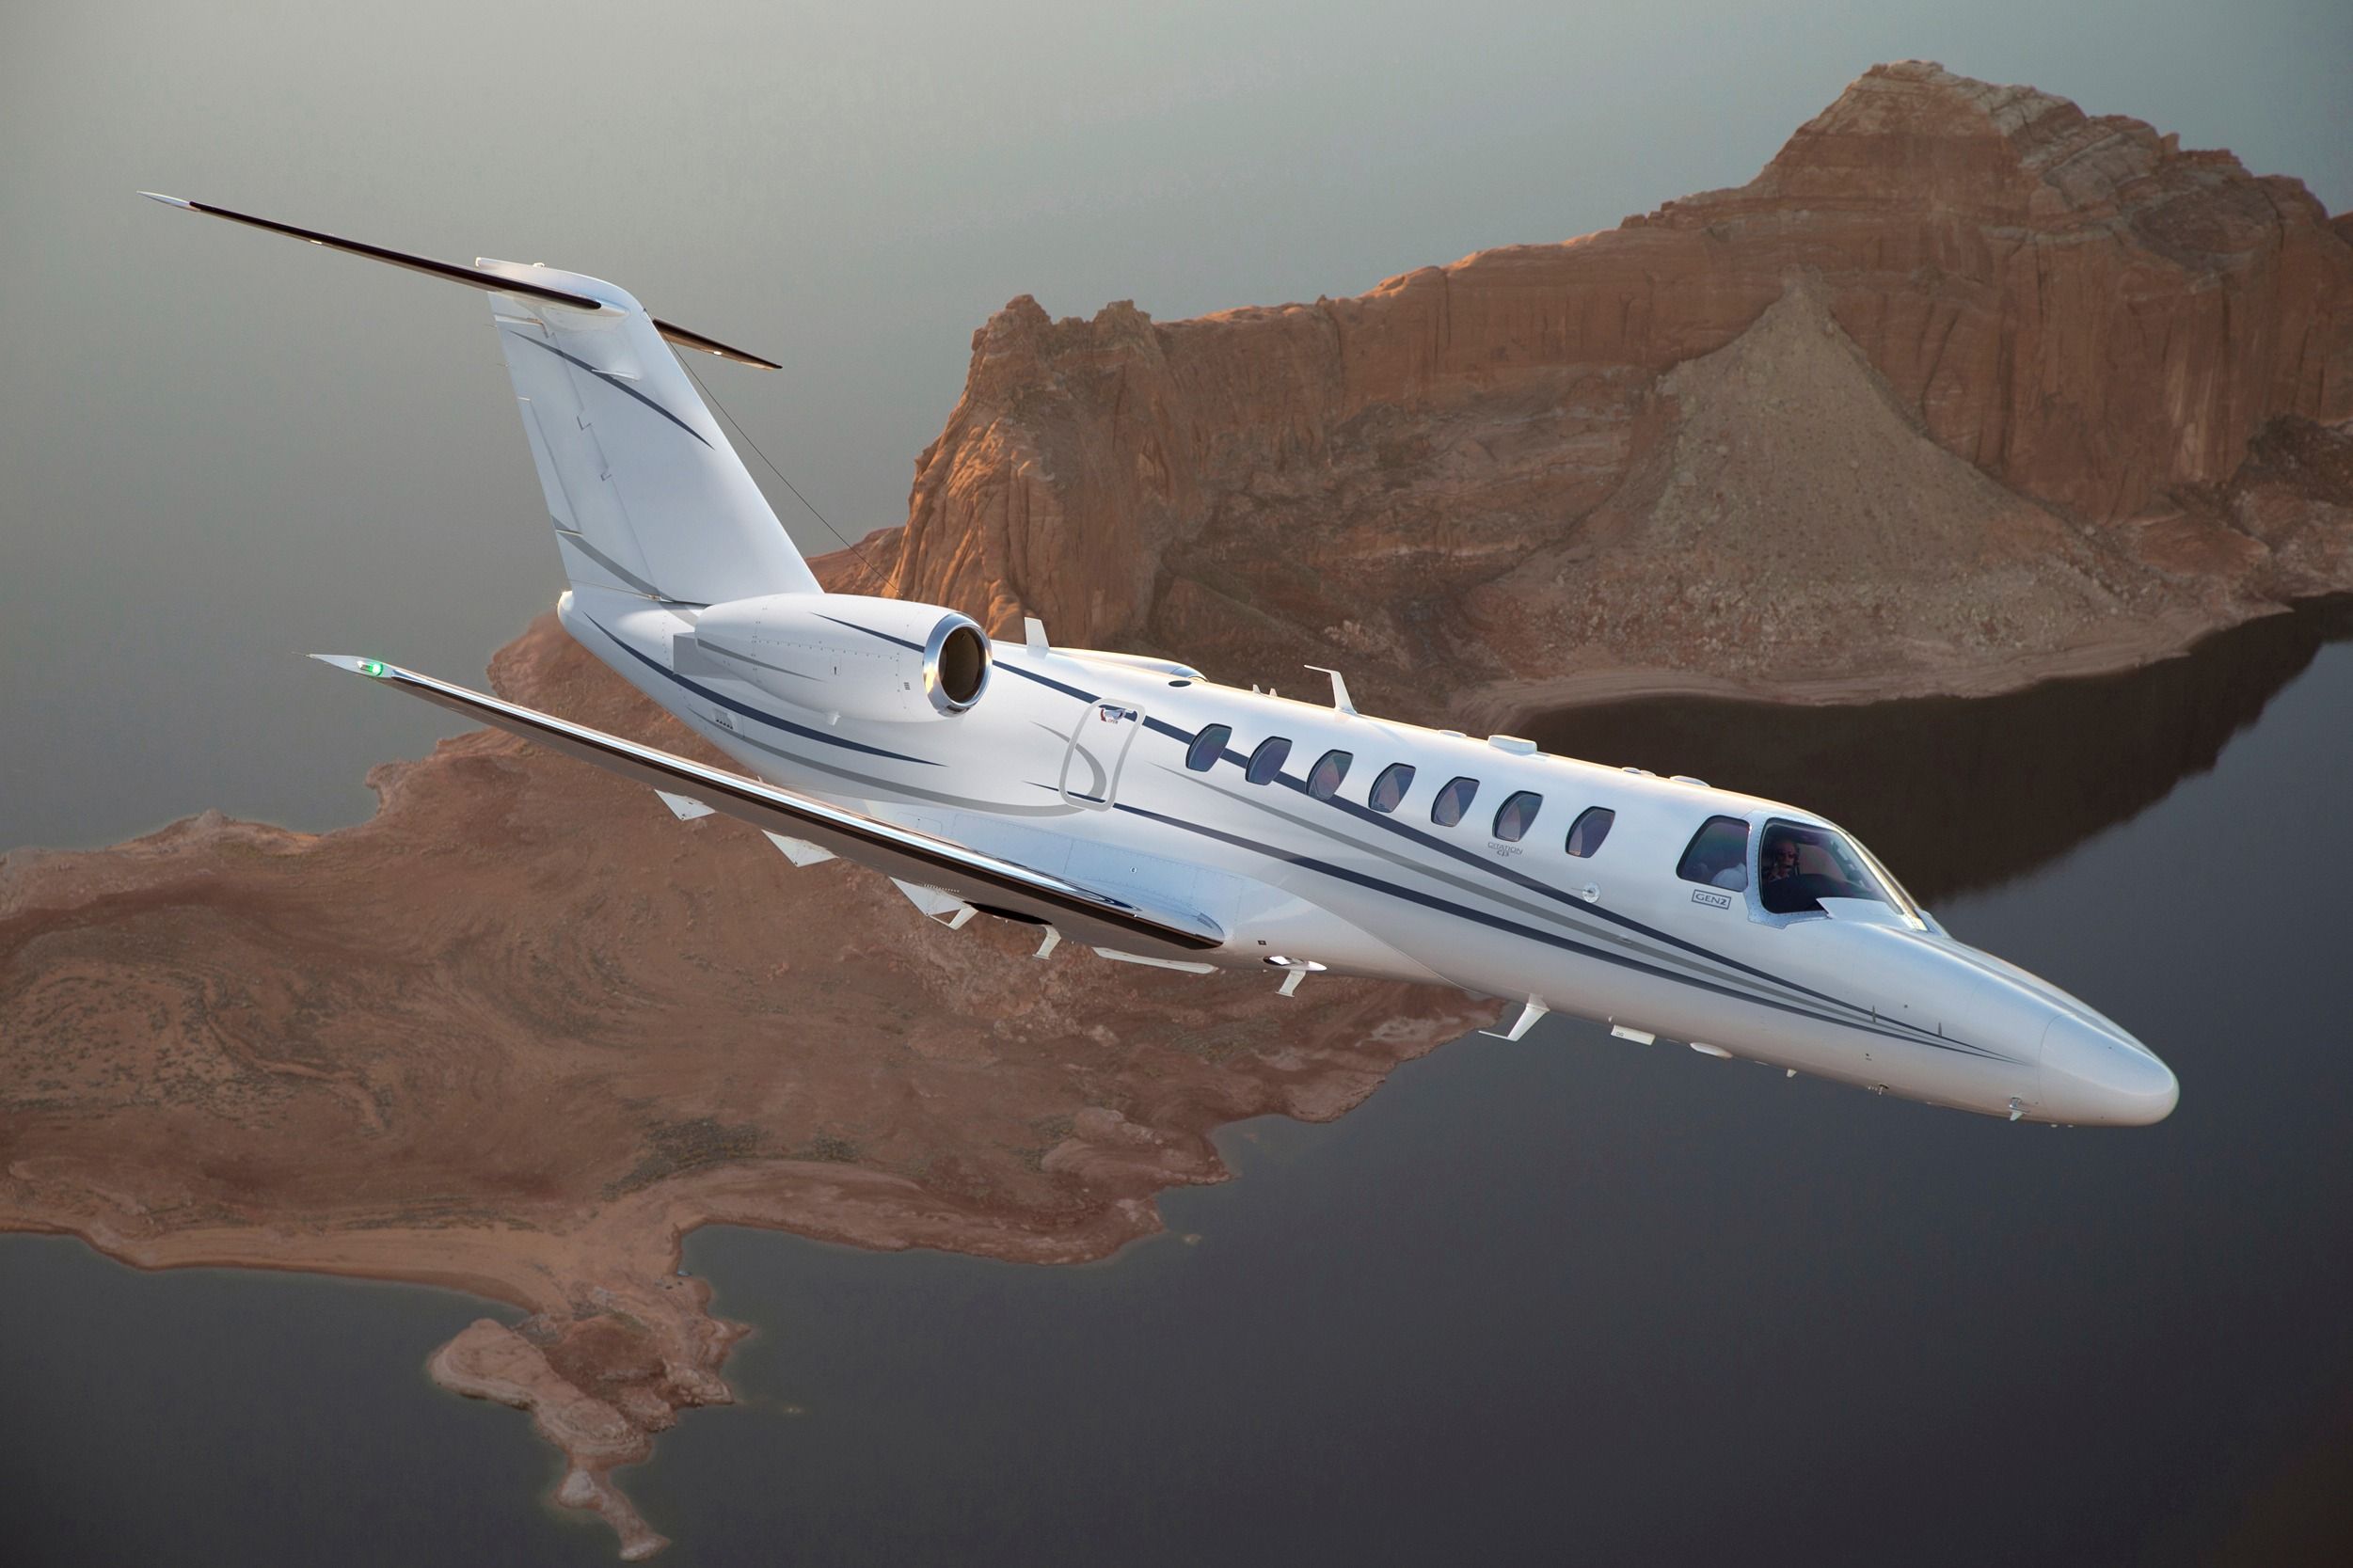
[[2017, 354], [1964, 389]]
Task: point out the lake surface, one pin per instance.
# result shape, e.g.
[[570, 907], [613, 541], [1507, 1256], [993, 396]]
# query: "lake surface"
[[1564, 1298]]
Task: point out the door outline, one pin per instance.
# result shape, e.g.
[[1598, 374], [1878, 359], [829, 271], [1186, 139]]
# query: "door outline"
[[1122, 717]]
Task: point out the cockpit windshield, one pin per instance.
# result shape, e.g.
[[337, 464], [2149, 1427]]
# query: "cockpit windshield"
[[1799, 865]]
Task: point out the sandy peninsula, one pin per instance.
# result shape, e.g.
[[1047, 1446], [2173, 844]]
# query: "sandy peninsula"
[[1966, 389]]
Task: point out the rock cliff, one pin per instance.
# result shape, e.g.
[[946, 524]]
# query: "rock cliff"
[[1965, 388]]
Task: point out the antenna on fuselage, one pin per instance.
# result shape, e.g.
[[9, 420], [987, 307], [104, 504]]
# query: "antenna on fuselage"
[[1339, 690]]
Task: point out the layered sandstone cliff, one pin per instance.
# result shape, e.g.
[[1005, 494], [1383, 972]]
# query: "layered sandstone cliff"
[[1965, 388]]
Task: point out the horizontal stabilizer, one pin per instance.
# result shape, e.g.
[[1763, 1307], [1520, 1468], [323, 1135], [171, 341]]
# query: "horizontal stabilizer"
[[500, 282], [986, 881]]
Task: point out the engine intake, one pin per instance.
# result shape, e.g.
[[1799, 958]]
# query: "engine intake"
[[955, 664], [846, 654]]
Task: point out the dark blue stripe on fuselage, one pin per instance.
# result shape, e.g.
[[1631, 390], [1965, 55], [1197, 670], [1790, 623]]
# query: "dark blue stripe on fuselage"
[[1551, 939], [870, 631], [1517, 879], [1624, 922], [750, 712], [1890, 1028]]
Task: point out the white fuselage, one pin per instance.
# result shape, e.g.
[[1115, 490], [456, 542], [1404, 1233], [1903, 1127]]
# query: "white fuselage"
[[1085, 765], [1138, 801]]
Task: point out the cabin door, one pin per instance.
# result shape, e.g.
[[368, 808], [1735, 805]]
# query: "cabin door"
[[1097, 751]]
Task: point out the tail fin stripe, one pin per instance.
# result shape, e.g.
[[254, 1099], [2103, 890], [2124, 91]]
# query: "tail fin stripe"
[[580, 544], [614, 382]]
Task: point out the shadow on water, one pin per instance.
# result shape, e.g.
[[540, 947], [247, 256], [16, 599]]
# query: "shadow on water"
[[1959, 794]]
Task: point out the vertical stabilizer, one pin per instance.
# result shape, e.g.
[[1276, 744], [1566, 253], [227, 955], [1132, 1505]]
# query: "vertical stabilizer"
[[645, 494]]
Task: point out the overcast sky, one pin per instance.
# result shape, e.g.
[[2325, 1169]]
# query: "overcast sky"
[[215, 448]]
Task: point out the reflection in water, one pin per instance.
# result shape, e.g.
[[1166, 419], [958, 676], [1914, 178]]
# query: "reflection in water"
[[1957, 794]]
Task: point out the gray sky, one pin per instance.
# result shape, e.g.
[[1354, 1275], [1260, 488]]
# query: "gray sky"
[[217, 449]]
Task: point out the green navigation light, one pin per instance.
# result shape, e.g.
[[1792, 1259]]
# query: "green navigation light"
[[370, 667]]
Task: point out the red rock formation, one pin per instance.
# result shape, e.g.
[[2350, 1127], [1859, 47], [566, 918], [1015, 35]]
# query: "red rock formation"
[[2091, 319], [1964, 389]]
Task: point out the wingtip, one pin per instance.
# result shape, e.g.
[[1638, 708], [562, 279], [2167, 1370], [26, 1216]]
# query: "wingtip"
[[352, 662], [169, 200]]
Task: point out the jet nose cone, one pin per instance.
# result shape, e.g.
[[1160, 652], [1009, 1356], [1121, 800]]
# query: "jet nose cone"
[[2101, 1077]]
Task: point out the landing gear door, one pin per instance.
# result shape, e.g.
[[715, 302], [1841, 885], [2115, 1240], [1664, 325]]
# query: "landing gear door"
[[1098, 750]]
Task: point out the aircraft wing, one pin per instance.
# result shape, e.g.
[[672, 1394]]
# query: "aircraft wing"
[[989, 882]]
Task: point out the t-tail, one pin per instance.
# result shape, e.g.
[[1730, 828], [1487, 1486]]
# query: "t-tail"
[[646, 493]]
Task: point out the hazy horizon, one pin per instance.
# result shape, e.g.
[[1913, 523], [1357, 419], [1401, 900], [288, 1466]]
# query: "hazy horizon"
[[219, 450]]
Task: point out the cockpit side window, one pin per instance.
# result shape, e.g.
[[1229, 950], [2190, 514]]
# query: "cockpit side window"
[[1799, 865], [1591, 826], [1322, 780], [1514, 817], [1718, 854], [1389, 791], [1208, 747], [1268, 760], [1453, 801]]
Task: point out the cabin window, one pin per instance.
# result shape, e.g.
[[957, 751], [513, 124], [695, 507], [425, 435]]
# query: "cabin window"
[[1268, 760], [1453, 801], [1517, 816], [1799, 865], [1717, 855], [1389, 788], [1322, 780], [1591, 826], [1208, 747]]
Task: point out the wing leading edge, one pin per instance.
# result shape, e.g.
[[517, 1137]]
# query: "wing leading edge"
[[984, 881]]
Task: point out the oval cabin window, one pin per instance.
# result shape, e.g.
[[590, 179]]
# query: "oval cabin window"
[[1517, 816], [1591, 826], [1322, 780], [1267, 762], [1389, 791], [1208, 747], [1453, 801]]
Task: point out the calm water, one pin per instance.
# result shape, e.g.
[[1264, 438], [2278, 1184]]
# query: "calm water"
[[231, 1416], [1564, 1297], [1574, 1297]]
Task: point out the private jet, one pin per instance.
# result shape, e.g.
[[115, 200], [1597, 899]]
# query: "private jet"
[[1137, 807]]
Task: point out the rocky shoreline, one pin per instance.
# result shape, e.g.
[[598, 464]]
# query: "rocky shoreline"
[[521, 1031], [230, 1044]]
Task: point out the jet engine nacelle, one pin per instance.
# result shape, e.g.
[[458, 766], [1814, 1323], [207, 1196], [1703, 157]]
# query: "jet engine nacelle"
[[848, 655]]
